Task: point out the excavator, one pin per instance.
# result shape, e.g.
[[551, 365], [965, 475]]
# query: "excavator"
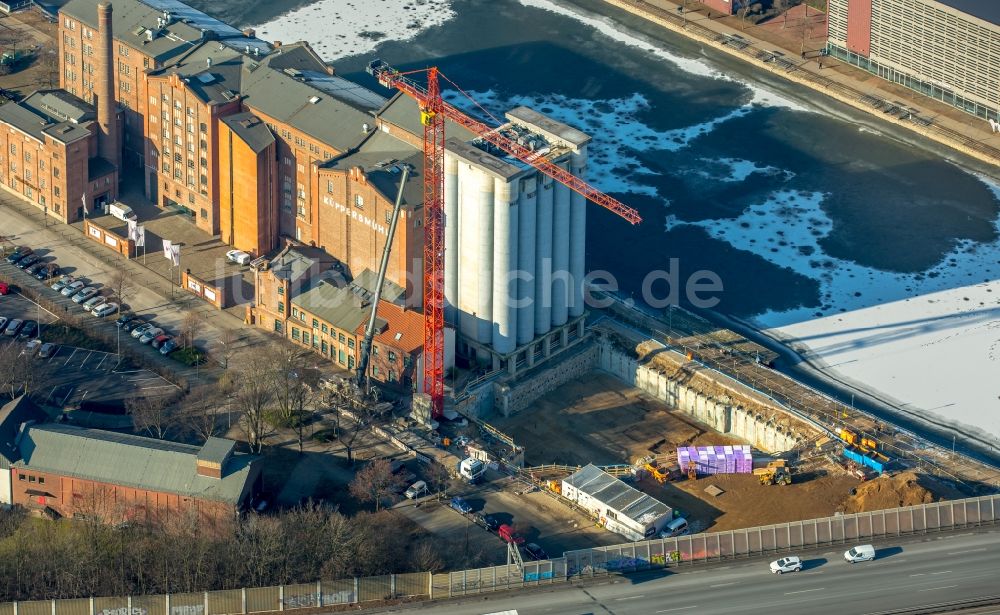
[[776, 473]]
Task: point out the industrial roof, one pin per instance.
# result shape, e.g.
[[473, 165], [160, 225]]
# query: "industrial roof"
[[485, 161], [336, 305], [297, 262], [56, 114], [216, 450], [380, 156], [12, 415], [134, 20], [134, 461], [402, 111], [363, 285], [616, 495], [251, 130], [552, 130], [987, 10]]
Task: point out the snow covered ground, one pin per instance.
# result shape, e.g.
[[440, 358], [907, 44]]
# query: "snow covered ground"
[[339, 28]]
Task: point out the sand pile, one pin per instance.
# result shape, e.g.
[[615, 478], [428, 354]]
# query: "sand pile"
[[905, 489]]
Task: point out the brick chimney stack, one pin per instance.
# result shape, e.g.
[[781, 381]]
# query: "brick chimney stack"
[[108, 147]]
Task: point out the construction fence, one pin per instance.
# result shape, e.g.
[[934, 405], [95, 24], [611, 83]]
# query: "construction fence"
[[616, 559]]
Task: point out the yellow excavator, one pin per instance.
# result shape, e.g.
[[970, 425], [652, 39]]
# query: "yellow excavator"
[[776, 473]]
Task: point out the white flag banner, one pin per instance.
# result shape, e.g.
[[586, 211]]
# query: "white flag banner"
[[176, 255], [140, 236], [168, 251], [83, 199], [133, 230]]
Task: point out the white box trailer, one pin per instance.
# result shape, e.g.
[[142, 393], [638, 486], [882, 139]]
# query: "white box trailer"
[[620, 508]]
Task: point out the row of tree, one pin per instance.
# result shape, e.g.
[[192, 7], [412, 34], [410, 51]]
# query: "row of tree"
[[70, 559]]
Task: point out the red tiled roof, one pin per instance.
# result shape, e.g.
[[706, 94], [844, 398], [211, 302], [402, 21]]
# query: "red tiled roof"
[[409, 324]]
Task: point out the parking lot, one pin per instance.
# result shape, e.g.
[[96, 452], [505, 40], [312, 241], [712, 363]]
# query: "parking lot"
[[80, 377]]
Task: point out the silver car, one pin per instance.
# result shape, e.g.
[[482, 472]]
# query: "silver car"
[[72, 288], [84, 294], [150, 335], [63, 282], [93, 302], [138, 331]]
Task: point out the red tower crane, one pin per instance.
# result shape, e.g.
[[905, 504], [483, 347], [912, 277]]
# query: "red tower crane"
[[433, 113]]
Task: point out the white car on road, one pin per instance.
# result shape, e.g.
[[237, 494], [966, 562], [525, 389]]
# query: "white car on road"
[[239, 257], [786, 564]]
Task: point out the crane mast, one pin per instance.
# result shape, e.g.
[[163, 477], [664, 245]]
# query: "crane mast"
[[433, 112]]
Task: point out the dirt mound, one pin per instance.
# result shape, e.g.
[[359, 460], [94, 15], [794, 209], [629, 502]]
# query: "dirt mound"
[[905, 489]]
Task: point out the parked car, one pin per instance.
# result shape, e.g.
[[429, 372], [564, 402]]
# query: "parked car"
[[488, 521], [142, 328], [150, 335], [159, 340], [93, 302], [47, 350], [28, 261], [133, 324], [535, 551], [31, 347], [124, 319], [72, 288], [3, 322], [239, 257], [459, 504], [416, 490], [13, 327], [786, 564], [33, 268], [509, 534], [49, 271], [860, 553], [29, 330], [4, 289], [18, 254], [105, 309], [83, 294], [169, 346], [63, 282]]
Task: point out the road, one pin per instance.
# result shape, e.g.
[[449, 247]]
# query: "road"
[[910, 572]]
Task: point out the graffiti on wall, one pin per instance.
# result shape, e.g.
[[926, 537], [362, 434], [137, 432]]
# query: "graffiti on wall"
[[300, 601]]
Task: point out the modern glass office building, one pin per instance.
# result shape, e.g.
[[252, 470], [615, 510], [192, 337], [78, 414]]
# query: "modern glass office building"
[[946, 49]]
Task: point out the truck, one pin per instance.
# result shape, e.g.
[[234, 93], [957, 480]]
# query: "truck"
[[471, 470], [121, 211]]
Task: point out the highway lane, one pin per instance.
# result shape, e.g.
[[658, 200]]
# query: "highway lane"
[[909, 572]]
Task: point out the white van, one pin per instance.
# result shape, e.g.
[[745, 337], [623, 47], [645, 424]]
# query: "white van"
[[862, 553], [122, 212], [677, 527], [416, 490]]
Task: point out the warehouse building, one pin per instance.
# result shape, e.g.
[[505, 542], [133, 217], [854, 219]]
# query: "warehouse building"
[[946, 49], [62, 470], [619, 507]]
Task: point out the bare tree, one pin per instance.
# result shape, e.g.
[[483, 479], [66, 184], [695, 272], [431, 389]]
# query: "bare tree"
[[748, 8], [352, 411], [294, 397], [437, 476], [191, 327], [199, 411], [375, 483], [227, 347], [123, 284], [252, 398], [150, 414], [18, 373]]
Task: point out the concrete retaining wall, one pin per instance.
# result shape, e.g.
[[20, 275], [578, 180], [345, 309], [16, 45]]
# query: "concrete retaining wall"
[[508, 400], [722, 415]]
